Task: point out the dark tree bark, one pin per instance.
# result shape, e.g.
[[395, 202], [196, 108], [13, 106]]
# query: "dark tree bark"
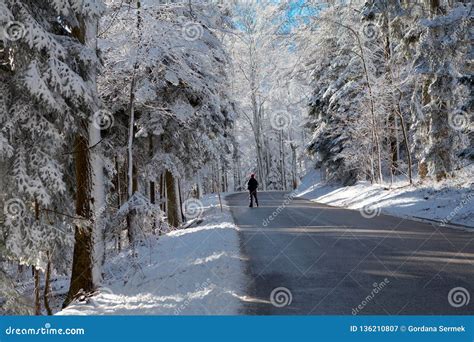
[[81, 277], [47, 286], [37, 293], [172, 200], [180, 199], [118, 191], [152, 183]]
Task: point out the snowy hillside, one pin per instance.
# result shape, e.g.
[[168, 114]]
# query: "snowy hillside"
[[194, 271], [449, 202]]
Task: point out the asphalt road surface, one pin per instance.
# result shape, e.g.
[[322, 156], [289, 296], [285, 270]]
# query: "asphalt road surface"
[[318, 259]]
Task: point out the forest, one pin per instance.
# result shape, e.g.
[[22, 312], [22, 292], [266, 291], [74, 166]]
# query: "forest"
[[118, 116]]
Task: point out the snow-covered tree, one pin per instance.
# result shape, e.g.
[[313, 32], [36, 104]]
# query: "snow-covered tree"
[[48, 91], [263, 68], [392, 83], [173, 73]]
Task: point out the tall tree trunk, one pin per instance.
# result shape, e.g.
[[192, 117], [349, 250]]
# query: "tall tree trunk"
[[36, 272], [180, 199], [118, 191], [282, 161], [134, 234], [425, 98], [81, 277], [374, 128], [199, 185], [152, 185], [257, 130], [236, 168], [162, 193], [395, 145], [405, 139], [47, 285], [98, 204], [375, 135], [224, 178], [163, 197], [90, 192], [294, 166], [37, 292], [173, 210], [131, 227]]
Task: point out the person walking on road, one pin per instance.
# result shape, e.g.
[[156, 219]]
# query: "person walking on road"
[[252, 187]]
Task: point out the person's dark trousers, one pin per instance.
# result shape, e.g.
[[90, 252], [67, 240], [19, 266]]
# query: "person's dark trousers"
[[253, 194]]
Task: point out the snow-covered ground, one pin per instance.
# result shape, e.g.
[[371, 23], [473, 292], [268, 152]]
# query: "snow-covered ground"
[[193, 271], [450, 202]]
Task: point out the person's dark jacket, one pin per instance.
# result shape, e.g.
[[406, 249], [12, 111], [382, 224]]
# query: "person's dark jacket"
[[253, 184]]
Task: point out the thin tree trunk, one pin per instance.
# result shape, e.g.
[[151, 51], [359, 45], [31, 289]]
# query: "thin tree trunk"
[[180, 198], [224, 178], [37, 293], [47, 285], [294, 166], [152, 184], [162, 193], [98, 205], [36, 272], [375, 137], [398, 109], [130, 224], [405, 139], [199, 185], [119, 202], [132, 185], [163, 197]]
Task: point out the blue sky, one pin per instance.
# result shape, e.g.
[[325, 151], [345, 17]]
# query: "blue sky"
[[298, 10]]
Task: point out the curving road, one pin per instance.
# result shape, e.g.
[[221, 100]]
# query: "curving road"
[[335, 261]]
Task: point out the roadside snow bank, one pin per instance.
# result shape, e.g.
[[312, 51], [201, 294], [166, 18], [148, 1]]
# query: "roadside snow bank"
[[194, 271], [451, 201]]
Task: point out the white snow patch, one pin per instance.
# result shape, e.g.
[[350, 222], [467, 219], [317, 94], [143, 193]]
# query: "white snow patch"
[[450, 201], [194, 271]]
